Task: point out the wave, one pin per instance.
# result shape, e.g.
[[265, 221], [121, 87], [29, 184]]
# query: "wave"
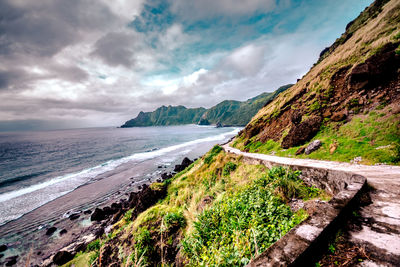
[[84, 176]]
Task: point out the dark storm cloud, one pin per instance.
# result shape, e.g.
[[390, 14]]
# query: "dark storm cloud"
[[43, 28], [9, 77], [115, 48]]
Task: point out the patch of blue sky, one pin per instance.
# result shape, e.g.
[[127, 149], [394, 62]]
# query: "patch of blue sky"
[[155, 16]]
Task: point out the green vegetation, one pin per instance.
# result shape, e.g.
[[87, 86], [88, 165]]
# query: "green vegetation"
[[219, 210], [214, 151], [228, 112], [374, 136], [243, 223]]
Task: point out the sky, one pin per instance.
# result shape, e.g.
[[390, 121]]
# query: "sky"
[[90, 63]]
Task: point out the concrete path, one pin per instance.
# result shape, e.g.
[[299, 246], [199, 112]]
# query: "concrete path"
[[380, 229]]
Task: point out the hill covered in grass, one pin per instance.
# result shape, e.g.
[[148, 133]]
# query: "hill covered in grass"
[[349, 100], [226, 113]]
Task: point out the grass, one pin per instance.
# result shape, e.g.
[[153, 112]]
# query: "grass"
[[241, 208], [374, 136], [244, 222]]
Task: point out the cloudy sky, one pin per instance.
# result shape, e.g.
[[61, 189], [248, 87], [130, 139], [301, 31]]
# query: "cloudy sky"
[[92, 63]]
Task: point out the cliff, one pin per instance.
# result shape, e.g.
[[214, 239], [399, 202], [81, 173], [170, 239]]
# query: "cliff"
[[349, 100]]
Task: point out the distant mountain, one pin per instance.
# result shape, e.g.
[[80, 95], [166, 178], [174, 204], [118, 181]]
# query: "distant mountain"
[[226, 113]]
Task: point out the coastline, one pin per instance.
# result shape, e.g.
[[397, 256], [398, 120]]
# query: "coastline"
[[69, 226]]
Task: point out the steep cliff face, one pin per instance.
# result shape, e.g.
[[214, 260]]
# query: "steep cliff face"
[[349, 99], [226, 113]]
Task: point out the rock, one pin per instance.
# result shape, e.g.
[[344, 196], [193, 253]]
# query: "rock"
[[339, 116], [185, 163], [296, 117], [74, 216], [396, 109], [98, 215], [51, 230], [3, 248], [63, 232], [80, 247], [87, 212], [300, 151], [314, 145], [99, 232], [356, 160], [376, 70], [301, 133], [332, 147], [159, 166], [62, 257], [10, 261]]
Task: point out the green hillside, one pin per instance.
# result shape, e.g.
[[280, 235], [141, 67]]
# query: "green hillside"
[[226, 113]]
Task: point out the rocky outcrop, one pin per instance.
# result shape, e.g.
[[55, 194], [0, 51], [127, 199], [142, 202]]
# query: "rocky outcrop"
[[185, 163], [301, 133], [376, 70]]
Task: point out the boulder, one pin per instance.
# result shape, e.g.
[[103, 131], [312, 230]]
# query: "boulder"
[[62, 257], [185, 163], [74, 216], [98, 215], [63, 232], [314, 145], [10, 261], [87, 212], [3, 248], [51, 230]]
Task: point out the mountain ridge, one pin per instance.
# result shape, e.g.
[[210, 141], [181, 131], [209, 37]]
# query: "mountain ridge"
[[225, 113]]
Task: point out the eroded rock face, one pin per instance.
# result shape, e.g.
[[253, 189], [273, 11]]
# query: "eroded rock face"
[[377, 69], [296, 117], [301, 133]]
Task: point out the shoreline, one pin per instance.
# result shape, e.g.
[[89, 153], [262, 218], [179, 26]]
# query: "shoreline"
[[104, 218], [76, 230], [66, 219]]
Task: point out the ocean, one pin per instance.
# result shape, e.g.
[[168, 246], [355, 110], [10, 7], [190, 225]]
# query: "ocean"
[[50, 174]]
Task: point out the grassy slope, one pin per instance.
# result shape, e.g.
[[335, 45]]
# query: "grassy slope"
[[362, 134], [216, 194]]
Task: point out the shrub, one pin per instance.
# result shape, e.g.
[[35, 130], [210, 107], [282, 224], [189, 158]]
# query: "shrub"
[[239, 226], [228, 168], [94, 245]]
